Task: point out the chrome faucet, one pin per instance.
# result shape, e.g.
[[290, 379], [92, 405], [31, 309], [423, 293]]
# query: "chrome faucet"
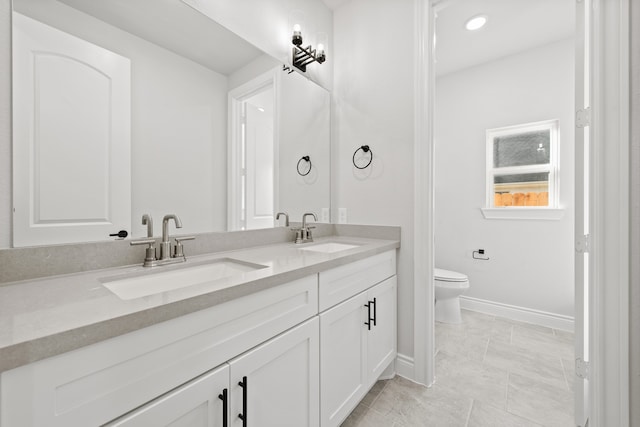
[[165, 245], [286, 218], [166, 257], [303, 234], [304, 218]]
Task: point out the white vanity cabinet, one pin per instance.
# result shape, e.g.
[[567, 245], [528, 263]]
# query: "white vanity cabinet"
[[99, 383], [299, 354], [274, 384], [357, 336]]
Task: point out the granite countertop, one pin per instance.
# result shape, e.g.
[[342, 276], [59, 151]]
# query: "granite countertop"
[[45, 317]]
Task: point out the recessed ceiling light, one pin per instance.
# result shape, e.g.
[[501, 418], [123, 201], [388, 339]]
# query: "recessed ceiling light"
[[476, 22]]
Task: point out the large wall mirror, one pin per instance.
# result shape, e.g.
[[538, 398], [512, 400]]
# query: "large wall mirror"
[[127, 107]]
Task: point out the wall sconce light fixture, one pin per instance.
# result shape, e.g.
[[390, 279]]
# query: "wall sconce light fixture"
[[303, 56]]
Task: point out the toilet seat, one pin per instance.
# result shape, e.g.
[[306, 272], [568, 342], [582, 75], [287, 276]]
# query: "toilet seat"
[[449, 276]]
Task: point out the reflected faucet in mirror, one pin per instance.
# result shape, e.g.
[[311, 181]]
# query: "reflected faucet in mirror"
[[286, 218], [148, 221]]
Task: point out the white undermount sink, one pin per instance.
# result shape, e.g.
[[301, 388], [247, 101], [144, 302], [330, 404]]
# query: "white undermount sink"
[[329, 248], [156, 281]]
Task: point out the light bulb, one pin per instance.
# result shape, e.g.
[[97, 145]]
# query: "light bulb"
[[476, 23], [296, 38]]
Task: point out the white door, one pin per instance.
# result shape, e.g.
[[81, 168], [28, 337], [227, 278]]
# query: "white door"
[[252, 194], [277, 383], [381, 340], [259, 151], [582, 205], [343, 359], [200, 402], [71, 137]]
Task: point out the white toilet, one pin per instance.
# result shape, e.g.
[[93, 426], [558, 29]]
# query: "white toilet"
[[449, 285]]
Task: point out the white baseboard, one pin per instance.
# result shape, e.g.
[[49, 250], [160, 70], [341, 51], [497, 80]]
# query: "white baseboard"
[[522, 314], [404, 366]]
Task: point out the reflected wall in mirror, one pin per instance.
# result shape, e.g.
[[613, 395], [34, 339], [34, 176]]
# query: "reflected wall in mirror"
[[279, 161], [182, 67]]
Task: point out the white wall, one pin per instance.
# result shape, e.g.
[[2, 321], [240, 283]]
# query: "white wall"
[[531, 262], [258, 66], [179, 142], [303, 130], [373, 105]]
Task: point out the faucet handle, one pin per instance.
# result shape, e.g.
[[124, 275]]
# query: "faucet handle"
[[149, 242], [179, 249], [150, 252]]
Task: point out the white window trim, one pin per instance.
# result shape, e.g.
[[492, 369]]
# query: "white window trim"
[[523, 212], [552, 212]]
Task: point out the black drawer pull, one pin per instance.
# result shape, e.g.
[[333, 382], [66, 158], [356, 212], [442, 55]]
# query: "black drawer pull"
[[368, 322], [243, 415], [375, 315], [224, 398]]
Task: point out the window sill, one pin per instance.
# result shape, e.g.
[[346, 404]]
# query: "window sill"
[[552, 214]]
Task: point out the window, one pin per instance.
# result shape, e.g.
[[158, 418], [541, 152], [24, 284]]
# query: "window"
[[522, 165]]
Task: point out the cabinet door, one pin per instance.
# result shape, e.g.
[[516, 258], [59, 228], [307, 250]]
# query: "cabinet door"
[[200, 403], [381, 341], [343, 359], [277, 383]]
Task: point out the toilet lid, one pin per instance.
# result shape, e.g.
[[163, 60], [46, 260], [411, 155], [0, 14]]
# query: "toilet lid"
[[449, 276]]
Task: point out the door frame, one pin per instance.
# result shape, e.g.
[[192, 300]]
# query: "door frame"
[[423, 197], [609, 213], [609, 249], [236, 98]]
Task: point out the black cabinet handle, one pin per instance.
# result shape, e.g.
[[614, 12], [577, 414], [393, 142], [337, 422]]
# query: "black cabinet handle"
[[224, 398], [375, 315], [243, 415], [371, 320], [368, 322]]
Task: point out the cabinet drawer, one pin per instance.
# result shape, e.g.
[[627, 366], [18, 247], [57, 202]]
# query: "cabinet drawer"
[[98, 383], [338, 284]]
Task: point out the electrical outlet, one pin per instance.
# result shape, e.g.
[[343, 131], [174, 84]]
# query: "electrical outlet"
[[342, 215], [324, 215]]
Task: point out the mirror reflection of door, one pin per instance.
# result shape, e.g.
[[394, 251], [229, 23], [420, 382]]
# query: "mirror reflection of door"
[[259, 155], [252, 172], [71, 137]]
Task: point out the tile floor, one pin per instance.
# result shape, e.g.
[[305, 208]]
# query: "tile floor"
[[490, 372]]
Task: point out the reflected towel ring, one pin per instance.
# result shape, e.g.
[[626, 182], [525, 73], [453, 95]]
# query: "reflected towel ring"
[[365, 149], [306, 159]]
